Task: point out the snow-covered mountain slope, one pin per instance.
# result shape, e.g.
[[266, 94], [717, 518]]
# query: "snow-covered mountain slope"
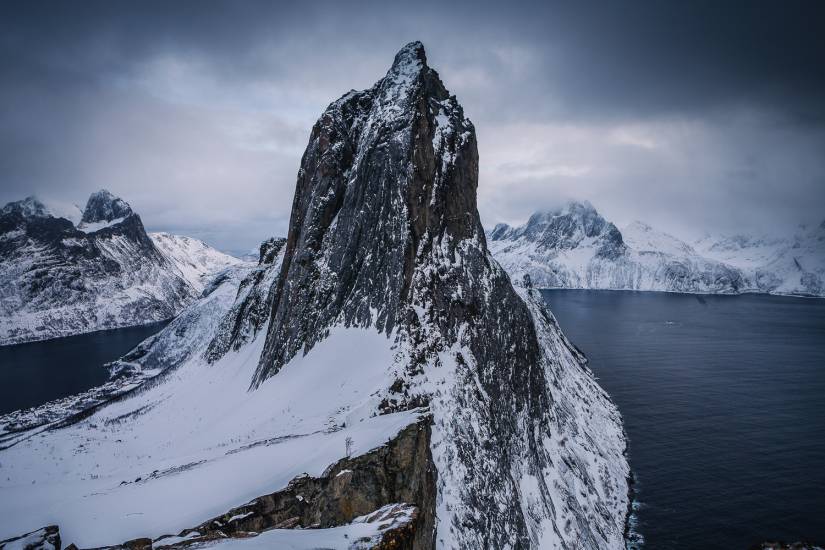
[[575, 247], [59, 279], [643, 238], [778, 265], [195, 260], [195, 326], [383, 357], [195, 442]]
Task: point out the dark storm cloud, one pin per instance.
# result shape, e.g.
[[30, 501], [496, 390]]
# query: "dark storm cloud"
[[197, 112]]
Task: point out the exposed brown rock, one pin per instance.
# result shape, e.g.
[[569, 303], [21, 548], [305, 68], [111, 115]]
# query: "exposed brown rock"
[[400, 471]]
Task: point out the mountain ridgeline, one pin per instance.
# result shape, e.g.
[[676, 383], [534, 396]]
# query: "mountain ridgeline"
[[385, 233], [390, 173], [58, 278], [378, 363], [575, 247]]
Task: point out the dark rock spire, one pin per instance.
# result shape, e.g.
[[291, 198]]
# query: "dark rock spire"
[[386, 171], [385, 233], [102, 206]]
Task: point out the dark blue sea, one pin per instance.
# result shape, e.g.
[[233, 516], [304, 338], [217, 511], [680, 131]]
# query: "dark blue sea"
[[723, 399], [37, 372]]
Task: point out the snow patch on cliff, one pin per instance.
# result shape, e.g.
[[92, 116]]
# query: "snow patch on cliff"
[[93, 227]]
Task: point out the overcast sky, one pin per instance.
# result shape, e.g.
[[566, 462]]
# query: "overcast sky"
[[692, 116]]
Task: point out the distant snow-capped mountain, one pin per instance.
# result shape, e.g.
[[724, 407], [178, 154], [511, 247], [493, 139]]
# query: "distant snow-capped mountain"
[[575, 247], [195, 260], [778, 265], [62, 273]]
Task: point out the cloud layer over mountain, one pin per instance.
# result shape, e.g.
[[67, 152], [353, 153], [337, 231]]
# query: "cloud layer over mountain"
[[692, 116]]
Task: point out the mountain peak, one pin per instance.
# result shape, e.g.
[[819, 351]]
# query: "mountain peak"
[[579, 208], [385, 235], [409, 65], [34, 207], [411, 57], [578, 212], [103, 206], [30, 207], [387, 171], [407, 81]]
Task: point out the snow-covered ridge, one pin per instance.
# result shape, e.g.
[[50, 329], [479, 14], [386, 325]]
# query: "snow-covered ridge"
[[381, 314], [34, 207], [195, 260], [63, 272], [575, 247]]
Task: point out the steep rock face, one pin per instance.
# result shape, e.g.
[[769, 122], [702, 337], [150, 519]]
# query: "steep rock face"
[[385, 234], [253, 302], [575, 247], [384, 174], [58, 278], [399, 472], [383, 310]]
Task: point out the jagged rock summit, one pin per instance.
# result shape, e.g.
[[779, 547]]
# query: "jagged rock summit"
[[379, 357], [59, 279], [102, 206], [385, 234], [387, 173]]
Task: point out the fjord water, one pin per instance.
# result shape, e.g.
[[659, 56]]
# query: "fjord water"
[[723, 399], [37, 372]]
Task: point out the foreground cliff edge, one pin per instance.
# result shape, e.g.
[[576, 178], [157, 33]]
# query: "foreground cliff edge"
[[378, 378]]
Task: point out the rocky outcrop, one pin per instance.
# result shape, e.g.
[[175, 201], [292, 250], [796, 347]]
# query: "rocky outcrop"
[[393, 485], [253, 302], [47, 538], [103, 207], [399, 472]]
